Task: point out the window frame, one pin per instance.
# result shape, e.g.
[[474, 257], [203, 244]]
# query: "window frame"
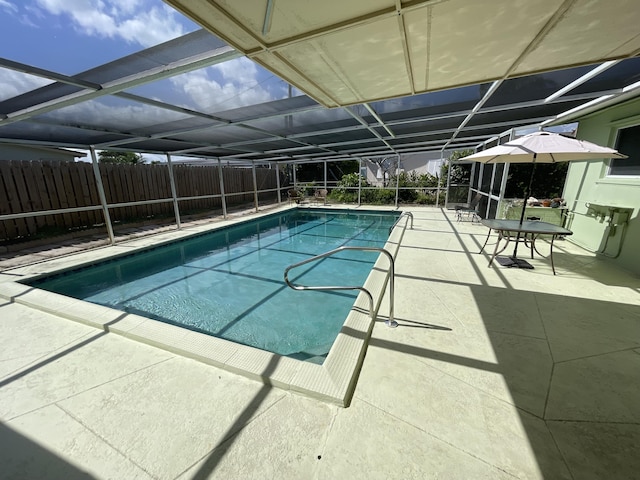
[[618, 127]]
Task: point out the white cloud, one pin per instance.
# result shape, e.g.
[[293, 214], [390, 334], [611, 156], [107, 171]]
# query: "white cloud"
[[151, 27], [31, 16], [87, 17], [8, 6], [116, 116], [119, 7], [135, 21], [238, 68], [225, 86], [14, 83]]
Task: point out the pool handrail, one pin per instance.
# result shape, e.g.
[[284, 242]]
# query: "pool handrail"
[[390, 322], [409, 214]]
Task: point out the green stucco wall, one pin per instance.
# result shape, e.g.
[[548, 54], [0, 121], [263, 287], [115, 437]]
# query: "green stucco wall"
[[600, 204]]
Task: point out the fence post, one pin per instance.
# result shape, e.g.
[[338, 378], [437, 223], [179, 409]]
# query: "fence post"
[[103, 198], [255, 184], [174, 195], [222, 197]]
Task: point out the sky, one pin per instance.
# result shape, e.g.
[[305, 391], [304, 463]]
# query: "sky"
[[70, 36]]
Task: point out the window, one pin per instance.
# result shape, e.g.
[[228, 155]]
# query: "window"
[[628, 143]]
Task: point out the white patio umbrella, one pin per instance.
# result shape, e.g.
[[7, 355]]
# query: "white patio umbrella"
[[541, 147]]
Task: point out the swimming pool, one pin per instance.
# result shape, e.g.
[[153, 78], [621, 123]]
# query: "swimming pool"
[[333, 380], [229, 283]]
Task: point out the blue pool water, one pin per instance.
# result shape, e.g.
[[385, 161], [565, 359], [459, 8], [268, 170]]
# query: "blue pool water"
[[229, 283]]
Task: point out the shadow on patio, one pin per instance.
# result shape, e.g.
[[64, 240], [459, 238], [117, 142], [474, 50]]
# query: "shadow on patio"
[[535, 374]]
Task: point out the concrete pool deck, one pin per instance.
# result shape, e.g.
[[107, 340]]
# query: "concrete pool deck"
[[493, 373]]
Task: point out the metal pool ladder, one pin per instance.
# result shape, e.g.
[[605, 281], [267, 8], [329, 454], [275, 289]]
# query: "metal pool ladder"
[[390, 322], [408, 214]]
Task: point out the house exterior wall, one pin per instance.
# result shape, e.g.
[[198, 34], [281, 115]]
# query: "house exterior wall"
[[604, 210], [420, 163], [22, 152]]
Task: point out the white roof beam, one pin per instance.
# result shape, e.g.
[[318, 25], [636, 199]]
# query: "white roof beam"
[[579, 81]]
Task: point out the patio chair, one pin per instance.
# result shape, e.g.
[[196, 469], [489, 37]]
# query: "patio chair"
[[530, 240], [321, 195], [469, 210], [294, 196]]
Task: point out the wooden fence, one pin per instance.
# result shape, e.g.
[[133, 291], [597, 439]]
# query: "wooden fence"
[[31, 186]]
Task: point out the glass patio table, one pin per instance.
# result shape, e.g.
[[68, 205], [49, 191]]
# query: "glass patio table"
[[526, 232]]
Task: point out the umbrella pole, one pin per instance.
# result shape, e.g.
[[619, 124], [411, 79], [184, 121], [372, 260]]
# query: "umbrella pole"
[[513, 260], [524, 205]]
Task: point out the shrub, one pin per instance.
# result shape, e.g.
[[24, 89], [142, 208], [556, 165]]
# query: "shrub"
[[308, 189], [426, 199], [410, 185], [347, 189], [343, 196], [383, 196]]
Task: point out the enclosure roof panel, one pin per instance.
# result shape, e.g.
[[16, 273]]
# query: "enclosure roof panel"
[[344, 53], [379, 78]]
